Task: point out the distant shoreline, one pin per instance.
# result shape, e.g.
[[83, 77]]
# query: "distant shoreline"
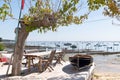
[[43, 48], [9, 44]]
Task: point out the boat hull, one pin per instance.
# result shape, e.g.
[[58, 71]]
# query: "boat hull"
[[81, 61]]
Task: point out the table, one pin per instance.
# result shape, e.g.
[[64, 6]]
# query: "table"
[[38, 55]]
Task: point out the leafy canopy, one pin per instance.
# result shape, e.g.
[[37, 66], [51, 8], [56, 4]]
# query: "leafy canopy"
[[47, 15], [111, 7], [5, 9]]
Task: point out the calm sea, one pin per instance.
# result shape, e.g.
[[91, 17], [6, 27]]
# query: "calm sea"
[[111, 46], [104, 63]]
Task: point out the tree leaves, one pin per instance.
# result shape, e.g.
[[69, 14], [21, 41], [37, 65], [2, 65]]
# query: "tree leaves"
[[43, 16], [96, 4], [111, 7], [5, 10]]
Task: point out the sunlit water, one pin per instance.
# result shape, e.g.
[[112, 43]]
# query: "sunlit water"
[[108, 63], [111, 46]]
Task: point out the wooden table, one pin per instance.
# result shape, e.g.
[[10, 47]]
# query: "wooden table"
[[38, 55]]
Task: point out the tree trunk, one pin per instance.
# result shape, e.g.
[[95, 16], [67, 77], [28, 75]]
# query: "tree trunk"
[[18, 51]]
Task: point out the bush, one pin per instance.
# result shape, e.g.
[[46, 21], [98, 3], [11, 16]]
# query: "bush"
[[0, 39], [2, 47]]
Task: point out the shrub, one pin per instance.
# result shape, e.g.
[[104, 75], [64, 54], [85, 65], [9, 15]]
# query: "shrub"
[[2, 47], [0, 39]]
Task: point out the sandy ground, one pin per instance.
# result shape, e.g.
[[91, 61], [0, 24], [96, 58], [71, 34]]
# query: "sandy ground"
[[99, 73], [58, 75], [36, 76], [64, 71], [106, 76]]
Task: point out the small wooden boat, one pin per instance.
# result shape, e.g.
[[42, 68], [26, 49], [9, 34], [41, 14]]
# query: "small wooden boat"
[[81, 61]]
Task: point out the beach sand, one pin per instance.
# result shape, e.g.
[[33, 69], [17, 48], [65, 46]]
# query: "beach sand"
[[63, 71], [102, 71], [98, 75], [106, 76]]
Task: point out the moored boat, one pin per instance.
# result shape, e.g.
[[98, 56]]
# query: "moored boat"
[[81, 61]]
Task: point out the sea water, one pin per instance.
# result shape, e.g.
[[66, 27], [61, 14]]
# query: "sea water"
[[109, 46], [107, 63]]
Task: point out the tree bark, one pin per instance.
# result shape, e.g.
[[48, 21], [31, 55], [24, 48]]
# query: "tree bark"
[[18, 50]]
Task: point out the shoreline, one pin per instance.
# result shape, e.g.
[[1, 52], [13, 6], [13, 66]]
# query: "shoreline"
[[37, 48]]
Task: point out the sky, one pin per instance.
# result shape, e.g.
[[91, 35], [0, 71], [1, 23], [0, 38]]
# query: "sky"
[[96, 28]]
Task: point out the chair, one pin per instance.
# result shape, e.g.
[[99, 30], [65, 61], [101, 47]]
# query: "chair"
[[59, 58], [47, 62]]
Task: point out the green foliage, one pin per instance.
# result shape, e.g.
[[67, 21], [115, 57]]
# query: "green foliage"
[[5, 10], [111, 7], [44, 17], [96, 4], [2, 47], [0, 39]]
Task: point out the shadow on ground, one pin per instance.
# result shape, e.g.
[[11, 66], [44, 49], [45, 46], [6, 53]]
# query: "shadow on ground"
[[24, 72], [71, 74]]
